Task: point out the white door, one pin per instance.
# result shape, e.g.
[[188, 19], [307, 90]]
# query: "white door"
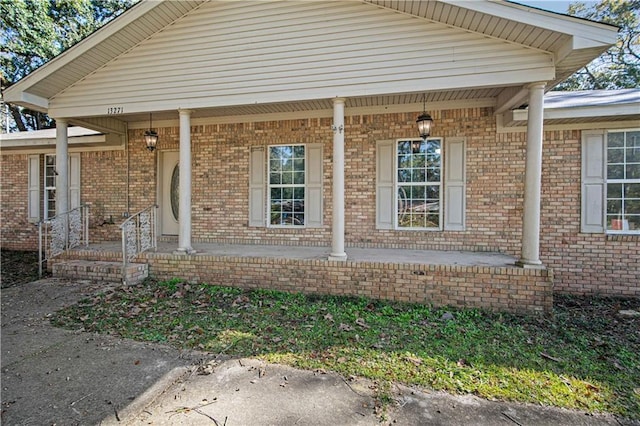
[[169, 195]]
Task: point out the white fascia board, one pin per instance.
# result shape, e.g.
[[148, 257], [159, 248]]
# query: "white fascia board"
[[593, 33], [598, 111], [47, 141], [36, 103], [15, 92]]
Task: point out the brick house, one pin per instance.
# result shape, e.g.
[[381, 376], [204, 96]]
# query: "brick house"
[[302, 133]]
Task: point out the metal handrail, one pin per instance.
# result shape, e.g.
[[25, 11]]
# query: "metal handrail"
[[138, 236], [62, 232]]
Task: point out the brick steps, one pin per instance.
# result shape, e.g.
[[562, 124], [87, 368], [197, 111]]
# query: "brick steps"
[[100, 271]]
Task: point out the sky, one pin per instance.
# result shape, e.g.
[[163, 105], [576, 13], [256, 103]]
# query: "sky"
[[552, 5]]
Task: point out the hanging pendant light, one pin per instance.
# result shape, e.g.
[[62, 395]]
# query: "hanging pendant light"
[[424, 121], [151, 137]]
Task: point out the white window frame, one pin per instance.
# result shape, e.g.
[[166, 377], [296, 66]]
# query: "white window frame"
[[398, 184], [292, 185], [623, 181], [49, 190]]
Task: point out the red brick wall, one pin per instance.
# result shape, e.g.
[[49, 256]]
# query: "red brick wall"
[[16, 231], [583, 263]]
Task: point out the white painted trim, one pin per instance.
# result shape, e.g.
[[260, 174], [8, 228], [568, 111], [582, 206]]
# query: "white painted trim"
[[581, 112], [324, 113], [589, 125], [593, 33], [52, 150]]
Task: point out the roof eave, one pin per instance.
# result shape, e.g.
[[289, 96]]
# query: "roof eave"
[[18, 92]]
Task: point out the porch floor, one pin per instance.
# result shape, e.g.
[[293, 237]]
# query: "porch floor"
[[397, 256]]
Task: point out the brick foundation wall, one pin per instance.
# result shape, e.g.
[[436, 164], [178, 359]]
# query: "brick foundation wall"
[[496, 288], [507, 289]]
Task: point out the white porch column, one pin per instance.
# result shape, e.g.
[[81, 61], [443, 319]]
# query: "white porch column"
[[337, 231], [530, 256], [62, 166], [184, 212]]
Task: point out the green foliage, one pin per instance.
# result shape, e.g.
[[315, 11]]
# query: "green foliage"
[[584, 357], [35, 31], [619, 67]]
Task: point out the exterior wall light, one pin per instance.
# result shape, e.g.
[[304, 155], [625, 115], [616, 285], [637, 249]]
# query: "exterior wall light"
[[424, 121], [151, 137]]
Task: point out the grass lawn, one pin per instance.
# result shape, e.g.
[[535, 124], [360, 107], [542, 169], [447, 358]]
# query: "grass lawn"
[[584, 357]]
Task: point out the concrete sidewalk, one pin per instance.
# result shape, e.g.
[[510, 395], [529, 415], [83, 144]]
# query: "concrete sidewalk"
[[53, 376]]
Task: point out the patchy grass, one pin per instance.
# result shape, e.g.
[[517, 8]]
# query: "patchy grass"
[[585, 357]]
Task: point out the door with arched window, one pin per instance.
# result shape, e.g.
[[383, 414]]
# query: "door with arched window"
[[169, 192]]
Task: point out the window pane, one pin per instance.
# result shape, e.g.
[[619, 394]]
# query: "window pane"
[[419, 161], [633, 222], [298, 178], [633, 171], [614, 207], [404, 175], [274, 178], [433, 221], [404, 147], [633, 140], [614, 190], [615, 139], [287, 178], [418, 175], [632, 207], [287, 193], [404, 161], [298, 151], [615, 172], [298, 193], [433, 175], [633, 154], [615, 156], [632, 190]]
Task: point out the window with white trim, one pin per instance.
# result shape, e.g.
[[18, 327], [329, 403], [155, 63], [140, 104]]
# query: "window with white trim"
[[286, 191], [49, 186], [418, 184], [421, 184], [623, 181], [285, 186], [41, 191]]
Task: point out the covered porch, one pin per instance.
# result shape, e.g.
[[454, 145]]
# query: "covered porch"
[[455, 278]]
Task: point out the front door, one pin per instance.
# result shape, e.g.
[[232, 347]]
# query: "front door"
[[169, 195]]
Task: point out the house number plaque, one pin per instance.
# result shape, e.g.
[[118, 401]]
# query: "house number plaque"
[[115, 110]]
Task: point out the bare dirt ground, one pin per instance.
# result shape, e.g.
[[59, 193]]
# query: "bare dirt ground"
[[18, 267]]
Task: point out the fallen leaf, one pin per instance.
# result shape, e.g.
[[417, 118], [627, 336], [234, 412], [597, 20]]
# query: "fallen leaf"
[[361, 323], [413, 360], [345, 327]]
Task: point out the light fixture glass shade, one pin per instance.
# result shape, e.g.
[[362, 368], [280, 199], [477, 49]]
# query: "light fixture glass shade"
[[424, 125], [151, 139]]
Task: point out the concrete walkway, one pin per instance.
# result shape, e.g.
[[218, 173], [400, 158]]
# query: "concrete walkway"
[[53, 376]]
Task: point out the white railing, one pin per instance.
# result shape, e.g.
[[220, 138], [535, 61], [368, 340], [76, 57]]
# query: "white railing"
[[62, 232], [138, 236]]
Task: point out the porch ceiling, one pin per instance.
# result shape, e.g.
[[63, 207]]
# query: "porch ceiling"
[[323, 107]]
